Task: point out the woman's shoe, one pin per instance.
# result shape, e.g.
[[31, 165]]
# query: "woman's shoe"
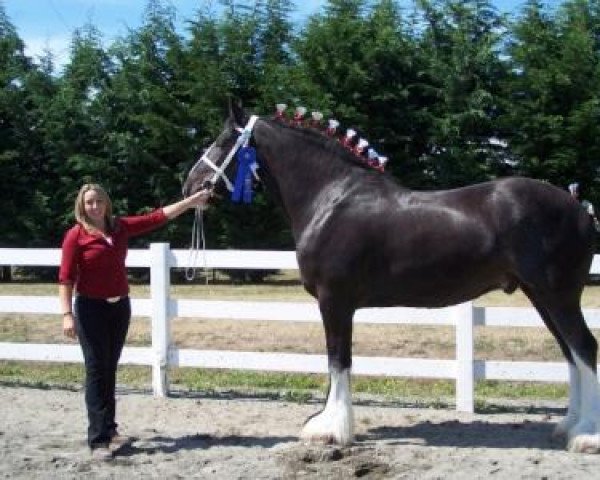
[[118, 441]]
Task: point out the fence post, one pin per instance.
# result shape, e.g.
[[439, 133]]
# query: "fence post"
[[465, 379], [159, 296]]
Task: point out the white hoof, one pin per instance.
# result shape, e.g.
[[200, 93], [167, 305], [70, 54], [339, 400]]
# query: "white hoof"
[[334, 424], [585, 443], [329, 428], [584, 437]]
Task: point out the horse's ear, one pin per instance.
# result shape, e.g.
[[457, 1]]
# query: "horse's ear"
[[237, 113]]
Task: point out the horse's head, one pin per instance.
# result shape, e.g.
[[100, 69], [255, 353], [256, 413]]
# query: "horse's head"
[[213, 170]]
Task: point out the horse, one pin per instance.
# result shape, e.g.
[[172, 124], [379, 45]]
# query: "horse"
[[363, 240]]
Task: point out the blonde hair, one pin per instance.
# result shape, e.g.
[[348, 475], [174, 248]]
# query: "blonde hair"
[[80, 214]]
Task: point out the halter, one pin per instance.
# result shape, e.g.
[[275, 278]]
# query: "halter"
[[242, 140], [198, 239]]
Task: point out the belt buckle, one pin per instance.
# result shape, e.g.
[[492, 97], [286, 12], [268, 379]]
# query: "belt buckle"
[[113, 299]]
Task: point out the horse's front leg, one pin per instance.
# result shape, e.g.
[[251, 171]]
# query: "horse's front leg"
[[334, 424]]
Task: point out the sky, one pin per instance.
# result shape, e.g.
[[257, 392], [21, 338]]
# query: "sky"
[[49, 24]]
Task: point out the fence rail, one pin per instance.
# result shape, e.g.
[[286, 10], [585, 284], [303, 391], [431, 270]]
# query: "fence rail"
[[161, 308]]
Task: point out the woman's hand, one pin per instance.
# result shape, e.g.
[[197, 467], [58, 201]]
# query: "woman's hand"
[[69, 326], [198, 199]]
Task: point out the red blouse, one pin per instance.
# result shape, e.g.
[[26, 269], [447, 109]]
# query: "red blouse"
[[95, 265]]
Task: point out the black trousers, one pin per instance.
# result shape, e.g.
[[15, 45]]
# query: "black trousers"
[[101, 329]]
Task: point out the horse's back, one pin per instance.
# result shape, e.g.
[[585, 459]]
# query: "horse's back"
[[442, 247], [538, 231], [521, 205]]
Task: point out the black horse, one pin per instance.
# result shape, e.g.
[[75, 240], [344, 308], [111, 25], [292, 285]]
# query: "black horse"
[[362, 240]]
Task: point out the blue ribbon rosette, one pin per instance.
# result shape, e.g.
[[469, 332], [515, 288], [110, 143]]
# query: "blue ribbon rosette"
[[242, 188]]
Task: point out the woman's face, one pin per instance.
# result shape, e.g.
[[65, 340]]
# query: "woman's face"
[[95, 207]]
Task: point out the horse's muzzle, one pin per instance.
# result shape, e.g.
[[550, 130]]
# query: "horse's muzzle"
[[189, 188]]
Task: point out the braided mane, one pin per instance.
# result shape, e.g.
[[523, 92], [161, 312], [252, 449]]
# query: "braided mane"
[[332, 143]]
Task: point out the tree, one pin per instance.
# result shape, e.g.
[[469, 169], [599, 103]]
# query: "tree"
[[23, 160], [150, 134], [329, 50], [74, 125], [282, 78], [461, 43], [554, 92], [362, 58], [237, 57]]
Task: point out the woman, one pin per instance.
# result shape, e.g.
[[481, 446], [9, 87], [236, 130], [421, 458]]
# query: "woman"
[[93, 264]]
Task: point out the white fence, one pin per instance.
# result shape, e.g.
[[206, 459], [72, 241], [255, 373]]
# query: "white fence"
[[464, 369]]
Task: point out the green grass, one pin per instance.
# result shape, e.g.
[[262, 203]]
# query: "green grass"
[[290, 387], [41, 374]]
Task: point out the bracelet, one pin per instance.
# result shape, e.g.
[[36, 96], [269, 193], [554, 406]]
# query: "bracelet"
[[67, 313]]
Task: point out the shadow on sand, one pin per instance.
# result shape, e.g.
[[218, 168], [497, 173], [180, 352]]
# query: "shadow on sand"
[[476, 434], [167, 444]]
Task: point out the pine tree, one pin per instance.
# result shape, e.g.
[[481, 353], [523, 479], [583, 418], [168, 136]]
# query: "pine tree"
[[24, 172], [554, 93], [461, 43]]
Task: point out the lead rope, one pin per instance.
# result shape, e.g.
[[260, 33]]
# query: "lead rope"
[[198, 242]]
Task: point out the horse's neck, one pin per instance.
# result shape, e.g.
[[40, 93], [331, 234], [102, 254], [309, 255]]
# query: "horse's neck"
[[297, 169]]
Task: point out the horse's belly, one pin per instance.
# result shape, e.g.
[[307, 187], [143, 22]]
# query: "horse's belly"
[[428, 299], [435, 290], [402, 278]]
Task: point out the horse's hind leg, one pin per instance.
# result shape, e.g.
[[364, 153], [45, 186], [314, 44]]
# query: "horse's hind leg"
[[573, 410], [585, 435], [567, 319], [334, 424]]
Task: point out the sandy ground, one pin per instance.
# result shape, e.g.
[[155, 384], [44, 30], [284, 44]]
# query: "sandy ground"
[[42, 435]]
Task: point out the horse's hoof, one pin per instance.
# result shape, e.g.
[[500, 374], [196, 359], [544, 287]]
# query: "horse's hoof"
[[315, 432], [585, 443], [325, 438], [320, 439]]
